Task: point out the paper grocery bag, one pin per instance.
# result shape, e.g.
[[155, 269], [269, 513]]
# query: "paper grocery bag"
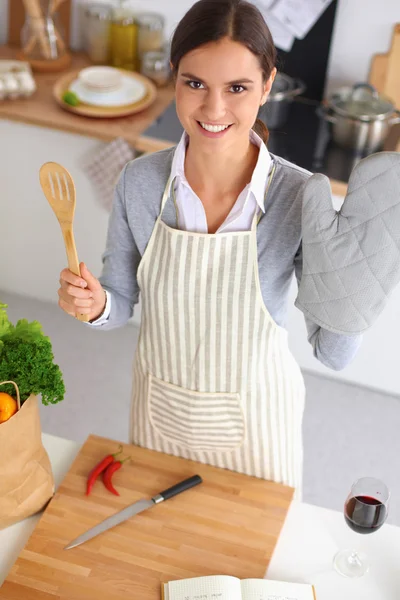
[[26, 478]]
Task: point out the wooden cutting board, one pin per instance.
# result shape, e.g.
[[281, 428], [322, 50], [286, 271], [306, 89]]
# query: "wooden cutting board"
[[385, 70], [229, 525]]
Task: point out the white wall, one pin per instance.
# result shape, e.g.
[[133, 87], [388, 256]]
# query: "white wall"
[[363, 28]]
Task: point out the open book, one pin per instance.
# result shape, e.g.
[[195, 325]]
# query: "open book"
[[223, 587]]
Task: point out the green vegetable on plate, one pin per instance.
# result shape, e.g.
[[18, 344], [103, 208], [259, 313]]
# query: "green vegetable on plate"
[[70, 98]]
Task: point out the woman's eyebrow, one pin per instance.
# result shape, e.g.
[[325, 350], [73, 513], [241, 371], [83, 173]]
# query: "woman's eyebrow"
[[235, 82]]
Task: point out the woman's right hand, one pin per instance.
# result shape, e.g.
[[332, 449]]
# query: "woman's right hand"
[[83, 295]]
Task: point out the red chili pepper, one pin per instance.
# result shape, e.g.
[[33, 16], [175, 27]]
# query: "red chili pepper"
[[99, 468], [109, 472]]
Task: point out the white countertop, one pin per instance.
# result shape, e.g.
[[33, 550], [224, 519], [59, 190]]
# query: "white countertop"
[[309, 539]]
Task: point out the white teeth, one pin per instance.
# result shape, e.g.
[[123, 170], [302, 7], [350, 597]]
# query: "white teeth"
[[214, 128]]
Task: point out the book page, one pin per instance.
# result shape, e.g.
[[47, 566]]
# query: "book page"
[[266, 589], [214, 587]]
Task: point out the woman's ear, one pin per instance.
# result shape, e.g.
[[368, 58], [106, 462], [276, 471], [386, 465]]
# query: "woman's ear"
[[268, 86]]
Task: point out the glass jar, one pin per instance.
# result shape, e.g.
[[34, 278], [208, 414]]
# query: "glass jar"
[[155, 65], [97, 32], [151, 32], [123, 40], [42, 38]]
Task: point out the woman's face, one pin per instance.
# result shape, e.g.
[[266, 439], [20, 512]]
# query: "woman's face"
[[219, 90]]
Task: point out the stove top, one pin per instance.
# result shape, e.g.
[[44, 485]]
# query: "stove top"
[[305, 140]]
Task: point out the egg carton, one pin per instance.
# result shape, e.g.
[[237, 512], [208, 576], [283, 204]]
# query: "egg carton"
[[16, 80]]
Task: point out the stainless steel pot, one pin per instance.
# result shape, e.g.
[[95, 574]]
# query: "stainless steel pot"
[[361, 118], [275, 111]]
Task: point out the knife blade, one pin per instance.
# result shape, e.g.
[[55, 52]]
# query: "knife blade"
[[134, 509]]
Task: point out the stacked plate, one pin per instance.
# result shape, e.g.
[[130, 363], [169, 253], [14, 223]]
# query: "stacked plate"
[[108, 87]]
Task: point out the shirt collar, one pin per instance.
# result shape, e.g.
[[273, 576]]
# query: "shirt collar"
[[261, 172]]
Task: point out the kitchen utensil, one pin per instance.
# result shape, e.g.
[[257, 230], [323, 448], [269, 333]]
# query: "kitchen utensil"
[[361, 117], [16, 19], [384, 74], [37, 27], [275, 111], [51, 32], [135, 509], [59, 189], [105, 112], [41, 38], [234, 522]]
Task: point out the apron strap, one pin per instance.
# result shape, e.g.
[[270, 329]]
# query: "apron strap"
[[258, 213], [166, 195]]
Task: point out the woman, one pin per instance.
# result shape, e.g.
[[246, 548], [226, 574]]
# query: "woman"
[[209, 234]]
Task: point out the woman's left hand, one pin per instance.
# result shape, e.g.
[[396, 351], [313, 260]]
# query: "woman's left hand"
[[351, 257]]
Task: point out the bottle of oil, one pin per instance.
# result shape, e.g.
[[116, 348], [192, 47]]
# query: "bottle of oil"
[[124, 40]]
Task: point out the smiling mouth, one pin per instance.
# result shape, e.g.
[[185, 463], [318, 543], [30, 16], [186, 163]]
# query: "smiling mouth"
[[213, 128]]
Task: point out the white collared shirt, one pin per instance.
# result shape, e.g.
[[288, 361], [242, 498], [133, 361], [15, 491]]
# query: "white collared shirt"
[[191, 213]]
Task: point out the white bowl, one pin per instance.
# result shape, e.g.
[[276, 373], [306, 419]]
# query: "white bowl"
[[100, 79]]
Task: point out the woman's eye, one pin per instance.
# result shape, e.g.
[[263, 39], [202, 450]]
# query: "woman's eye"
[[237, 89], [195, 85]]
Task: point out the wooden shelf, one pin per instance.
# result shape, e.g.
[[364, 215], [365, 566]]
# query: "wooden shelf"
[[42, 110]]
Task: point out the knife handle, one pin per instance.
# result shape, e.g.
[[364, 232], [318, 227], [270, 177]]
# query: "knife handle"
[[181, 487]]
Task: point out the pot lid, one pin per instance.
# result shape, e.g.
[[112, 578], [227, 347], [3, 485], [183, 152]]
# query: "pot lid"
[[285, 86], [362, 101], [282, 83]]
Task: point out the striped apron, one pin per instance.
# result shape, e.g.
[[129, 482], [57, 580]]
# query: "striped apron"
[[214, 379]]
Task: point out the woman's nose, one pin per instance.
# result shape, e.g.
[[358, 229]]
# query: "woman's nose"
[[214, 106]]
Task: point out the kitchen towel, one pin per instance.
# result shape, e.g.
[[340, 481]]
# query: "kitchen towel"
[[105, 166]]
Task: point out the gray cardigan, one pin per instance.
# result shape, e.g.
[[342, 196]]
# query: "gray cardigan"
[[136, 207]]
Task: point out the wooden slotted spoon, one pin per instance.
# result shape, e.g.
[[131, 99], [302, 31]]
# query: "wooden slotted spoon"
[[59, 189]]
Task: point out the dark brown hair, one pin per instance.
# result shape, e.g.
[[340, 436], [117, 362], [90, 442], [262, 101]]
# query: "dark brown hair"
[[211, 20]]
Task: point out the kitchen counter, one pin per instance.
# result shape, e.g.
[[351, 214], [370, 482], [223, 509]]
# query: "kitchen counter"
[[41, 109], [308, 542]]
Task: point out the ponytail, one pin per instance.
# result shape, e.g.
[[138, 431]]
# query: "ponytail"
[[261, 129]]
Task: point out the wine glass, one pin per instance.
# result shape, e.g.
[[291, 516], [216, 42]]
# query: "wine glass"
[[365, 511]]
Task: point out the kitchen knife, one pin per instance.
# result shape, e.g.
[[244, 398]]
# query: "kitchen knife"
[[134, 509]]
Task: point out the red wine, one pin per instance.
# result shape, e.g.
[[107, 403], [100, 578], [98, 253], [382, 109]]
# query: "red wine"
[[364, 514]]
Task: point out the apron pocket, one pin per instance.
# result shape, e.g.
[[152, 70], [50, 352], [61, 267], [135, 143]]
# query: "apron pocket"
[[195, 420]]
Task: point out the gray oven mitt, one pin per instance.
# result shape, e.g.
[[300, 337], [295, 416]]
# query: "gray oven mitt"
[[351, 257]]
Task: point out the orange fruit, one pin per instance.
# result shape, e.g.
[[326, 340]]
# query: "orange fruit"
[[8, 406]]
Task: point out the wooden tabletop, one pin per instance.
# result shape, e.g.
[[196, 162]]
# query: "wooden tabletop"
[[228, 525], [41, 109]]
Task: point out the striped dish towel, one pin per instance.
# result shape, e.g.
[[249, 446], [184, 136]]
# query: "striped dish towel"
[[104, 167]]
